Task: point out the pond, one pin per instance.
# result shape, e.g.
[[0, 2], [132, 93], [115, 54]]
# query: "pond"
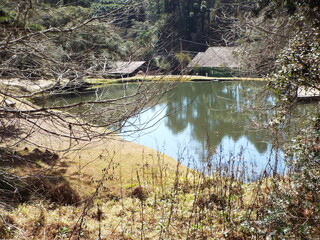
[[212, 122], [203, 124]]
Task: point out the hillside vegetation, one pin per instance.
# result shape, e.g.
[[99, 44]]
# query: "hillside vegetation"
[[72, 39]]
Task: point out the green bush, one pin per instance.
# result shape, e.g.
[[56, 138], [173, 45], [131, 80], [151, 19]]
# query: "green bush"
[[293, 210]]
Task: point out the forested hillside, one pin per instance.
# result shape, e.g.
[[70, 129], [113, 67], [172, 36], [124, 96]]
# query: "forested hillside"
[[49, 38], [75, 38]]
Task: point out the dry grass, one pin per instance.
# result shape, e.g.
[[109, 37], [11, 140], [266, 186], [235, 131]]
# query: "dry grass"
[[156, 206], [64, 190], [84, 164], [122, 191]]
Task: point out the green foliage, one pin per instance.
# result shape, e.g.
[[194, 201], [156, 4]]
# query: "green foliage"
[[5, 16], [308, 8], [63, 232], [62, 16], [34, 26], [183, 58], [298, 65], [293, 210], [92, 46], [272, 7], [162, 63], [55, 3], [294, 205], [107, 6], [201, 23], [144, 37]]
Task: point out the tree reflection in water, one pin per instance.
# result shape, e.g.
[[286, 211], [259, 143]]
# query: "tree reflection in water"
[[205, 117], [198, 119], [218, 110]]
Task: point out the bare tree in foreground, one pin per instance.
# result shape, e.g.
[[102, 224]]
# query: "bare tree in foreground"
[[43, 132]]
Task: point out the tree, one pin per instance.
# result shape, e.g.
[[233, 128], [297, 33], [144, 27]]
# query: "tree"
[[266, 29], [293, 204], [69, 41]]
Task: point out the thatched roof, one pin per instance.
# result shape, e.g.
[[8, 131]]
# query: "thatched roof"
[[124, 68], [215, 57]]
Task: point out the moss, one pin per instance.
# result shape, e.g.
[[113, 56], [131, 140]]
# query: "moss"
[[169, 78], [34, 26]]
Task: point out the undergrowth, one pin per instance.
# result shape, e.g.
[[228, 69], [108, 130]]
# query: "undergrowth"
[[158, 203]]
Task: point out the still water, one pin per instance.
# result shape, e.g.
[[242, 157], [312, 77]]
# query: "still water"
[[206, 121], [199, 122]]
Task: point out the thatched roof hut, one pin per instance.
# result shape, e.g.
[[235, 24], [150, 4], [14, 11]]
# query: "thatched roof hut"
[[216, 57]]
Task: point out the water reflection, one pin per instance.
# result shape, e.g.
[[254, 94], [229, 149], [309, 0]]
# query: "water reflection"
[[198, 119], [203, 118], [216, 110]]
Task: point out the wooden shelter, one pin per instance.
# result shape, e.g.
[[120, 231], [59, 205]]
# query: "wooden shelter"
[[308, 94], [125, 69]]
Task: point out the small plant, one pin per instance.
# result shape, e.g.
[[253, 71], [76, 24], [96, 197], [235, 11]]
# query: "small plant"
[[63, 232], [7, 228], [184, 60]]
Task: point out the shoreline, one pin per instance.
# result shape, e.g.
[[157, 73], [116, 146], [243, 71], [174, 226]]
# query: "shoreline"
[[83, 162], [169, 78]]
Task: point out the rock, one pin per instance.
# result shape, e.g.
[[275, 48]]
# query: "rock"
[[9, 103]]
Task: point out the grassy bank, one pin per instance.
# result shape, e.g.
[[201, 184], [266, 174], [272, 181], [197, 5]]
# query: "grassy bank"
[[156, 205], [83, 161]]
